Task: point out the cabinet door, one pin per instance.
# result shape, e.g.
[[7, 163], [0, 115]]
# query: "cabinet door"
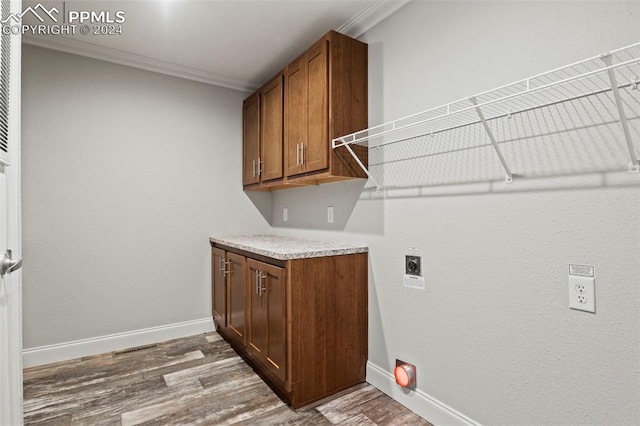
[[267, 316], [218, 287], [236, 296], [250, 139], [295, 115], [316, 150], [257, 310], [274, 290], [271, 129], [306, 119]]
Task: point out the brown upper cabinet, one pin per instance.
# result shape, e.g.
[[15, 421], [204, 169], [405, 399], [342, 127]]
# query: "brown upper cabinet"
[[271, 118], [262, 134], [321, 95], [251, 139], [306, 123]]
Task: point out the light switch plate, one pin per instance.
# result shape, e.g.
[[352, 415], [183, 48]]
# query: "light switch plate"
[[285, 214], [330, 214]]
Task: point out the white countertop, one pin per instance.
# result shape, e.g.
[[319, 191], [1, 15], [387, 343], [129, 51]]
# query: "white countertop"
[[286, 248]]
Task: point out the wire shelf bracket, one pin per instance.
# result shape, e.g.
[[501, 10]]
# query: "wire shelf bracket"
[[634, 165], [487, 129], [362, 166], [604, 76]]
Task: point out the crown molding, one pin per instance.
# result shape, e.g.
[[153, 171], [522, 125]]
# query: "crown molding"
[[371, 16], [108, 54], [366, 19]]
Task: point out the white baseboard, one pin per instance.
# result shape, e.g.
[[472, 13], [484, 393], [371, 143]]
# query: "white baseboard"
[[113, 342], [417, 401]]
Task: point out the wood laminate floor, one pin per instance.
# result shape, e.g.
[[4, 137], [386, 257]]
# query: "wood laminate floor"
[[189, 381]]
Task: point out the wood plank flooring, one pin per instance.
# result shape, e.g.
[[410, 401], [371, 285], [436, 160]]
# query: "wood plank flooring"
[[190, 381]]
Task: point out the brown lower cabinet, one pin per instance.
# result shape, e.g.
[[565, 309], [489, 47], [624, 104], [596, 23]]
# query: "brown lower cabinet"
[[229, 294], [267, 317], [300, 323], [219, 287]]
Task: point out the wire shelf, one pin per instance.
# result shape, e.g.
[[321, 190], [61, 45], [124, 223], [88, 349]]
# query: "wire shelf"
[[583, 117]]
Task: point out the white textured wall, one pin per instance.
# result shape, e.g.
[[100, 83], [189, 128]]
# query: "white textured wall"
[[126, 174], [492, 335]]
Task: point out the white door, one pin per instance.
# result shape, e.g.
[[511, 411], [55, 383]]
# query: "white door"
[[10, 231]]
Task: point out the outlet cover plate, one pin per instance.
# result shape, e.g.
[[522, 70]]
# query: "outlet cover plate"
[[412, 265], [582, 293]]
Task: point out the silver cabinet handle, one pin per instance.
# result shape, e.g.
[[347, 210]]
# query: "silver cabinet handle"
[[301, 154], [225, 266], [297, 154], [8, 265], [259, 166], [263, 288], [260, 287]]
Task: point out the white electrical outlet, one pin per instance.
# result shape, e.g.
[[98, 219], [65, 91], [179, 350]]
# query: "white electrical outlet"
[[285, 214], [582, 293], [330, 214]]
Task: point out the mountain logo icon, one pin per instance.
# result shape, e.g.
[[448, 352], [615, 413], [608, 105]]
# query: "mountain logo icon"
[[43, 11]]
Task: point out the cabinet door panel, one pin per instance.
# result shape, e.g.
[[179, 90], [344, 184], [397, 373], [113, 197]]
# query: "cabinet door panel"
[[250, 139], [236, 297], [271, 129], [257, 311], [296, 114], [276, 319], [267, 323], [218, 287], [317, 149]]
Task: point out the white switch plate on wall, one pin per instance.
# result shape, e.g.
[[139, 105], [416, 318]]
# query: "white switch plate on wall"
[[285, 214], [330, 214], [582, 293]]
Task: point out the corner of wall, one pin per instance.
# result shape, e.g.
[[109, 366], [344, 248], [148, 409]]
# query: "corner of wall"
[[417, 401]]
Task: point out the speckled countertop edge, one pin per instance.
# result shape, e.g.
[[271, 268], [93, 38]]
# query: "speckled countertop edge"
[[287, 248]]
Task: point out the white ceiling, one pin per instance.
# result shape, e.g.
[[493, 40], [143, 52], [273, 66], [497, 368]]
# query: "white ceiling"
[[232, 43]]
